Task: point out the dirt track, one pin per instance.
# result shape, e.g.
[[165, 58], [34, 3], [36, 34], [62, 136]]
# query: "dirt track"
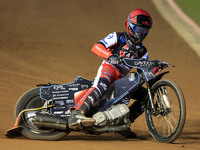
[[47, 40]]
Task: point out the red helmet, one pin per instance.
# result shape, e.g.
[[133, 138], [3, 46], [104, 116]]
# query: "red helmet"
[[138, 24]]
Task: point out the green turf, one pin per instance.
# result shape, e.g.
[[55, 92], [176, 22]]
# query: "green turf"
[[191, 8]]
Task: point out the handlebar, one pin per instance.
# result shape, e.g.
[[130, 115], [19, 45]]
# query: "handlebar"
[[142, 62], [164, 64], [172, 66]]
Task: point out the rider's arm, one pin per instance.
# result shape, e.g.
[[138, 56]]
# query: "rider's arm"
[[145, 56], [103, 47], [142, 52], [99, 50]]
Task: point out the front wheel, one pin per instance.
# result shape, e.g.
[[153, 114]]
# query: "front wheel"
[[167, 122], [30, 100]]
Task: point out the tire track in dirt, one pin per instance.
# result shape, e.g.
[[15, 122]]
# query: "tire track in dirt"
[[47, 40]]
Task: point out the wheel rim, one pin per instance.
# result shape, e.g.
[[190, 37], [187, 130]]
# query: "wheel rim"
[[33, 102], [166, 121]]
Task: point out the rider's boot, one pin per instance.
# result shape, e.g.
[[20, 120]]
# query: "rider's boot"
[[128, 134], [77, 120]]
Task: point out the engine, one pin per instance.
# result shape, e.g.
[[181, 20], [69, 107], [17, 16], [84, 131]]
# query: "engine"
[[116, 115]]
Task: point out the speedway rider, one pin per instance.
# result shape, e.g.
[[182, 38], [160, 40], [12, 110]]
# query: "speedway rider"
[[111, 48]]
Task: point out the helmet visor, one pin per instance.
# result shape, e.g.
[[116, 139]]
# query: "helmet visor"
[[140, 30]]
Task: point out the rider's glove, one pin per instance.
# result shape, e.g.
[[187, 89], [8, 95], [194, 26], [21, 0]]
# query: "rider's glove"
[[114, 59]]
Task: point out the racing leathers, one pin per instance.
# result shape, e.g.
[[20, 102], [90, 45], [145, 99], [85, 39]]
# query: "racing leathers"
[[115, 44]]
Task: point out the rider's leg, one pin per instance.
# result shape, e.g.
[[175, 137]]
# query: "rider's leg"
[[138, 107], [105, 76], [92, 95], [77, 119]]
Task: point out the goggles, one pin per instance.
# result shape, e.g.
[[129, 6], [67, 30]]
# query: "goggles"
[[139, 28]]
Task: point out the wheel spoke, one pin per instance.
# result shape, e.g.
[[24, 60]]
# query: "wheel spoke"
[[174, 119], [163, 127], [167, 124]]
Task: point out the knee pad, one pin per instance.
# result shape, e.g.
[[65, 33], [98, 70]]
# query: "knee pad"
[[102, 86]]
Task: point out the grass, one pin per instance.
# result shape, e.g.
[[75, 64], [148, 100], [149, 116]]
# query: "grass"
[[191, 8]]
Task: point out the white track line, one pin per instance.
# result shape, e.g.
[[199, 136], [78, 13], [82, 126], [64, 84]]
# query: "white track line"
[[185, 29], [184, 16]]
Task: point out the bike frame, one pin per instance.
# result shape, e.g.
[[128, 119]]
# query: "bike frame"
[[146, 68], [145, 74]]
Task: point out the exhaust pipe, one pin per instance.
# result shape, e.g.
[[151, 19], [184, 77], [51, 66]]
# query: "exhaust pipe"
[[50, 122]]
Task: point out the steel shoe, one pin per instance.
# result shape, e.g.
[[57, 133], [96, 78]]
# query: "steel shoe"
[[77, 120]]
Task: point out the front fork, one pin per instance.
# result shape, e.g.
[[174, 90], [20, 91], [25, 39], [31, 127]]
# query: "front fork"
[[150, 99], [162, 98]]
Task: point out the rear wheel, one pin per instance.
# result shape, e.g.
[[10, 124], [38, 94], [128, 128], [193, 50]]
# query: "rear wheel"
[[29, 100], [167, 123]]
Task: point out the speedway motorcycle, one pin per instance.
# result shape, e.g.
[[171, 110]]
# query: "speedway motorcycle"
[[42, 113]]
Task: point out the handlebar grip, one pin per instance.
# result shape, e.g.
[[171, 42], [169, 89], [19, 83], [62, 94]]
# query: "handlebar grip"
[[171, 66], [165, 64]]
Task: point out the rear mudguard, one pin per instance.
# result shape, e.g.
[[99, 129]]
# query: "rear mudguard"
[[158, 77]]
